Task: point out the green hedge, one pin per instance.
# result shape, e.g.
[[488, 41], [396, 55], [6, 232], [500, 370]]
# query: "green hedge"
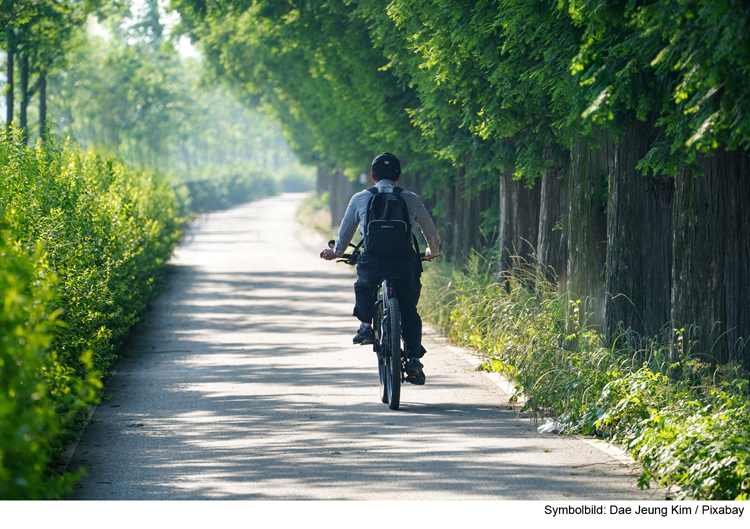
[[82, 244], [223, 188], [29, 393]]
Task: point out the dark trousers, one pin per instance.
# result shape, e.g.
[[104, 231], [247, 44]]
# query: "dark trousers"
[[371, 270]]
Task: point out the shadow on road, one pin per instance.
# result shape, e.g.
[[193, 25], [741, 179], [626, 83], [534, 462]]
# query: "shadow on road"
[[243, 384]]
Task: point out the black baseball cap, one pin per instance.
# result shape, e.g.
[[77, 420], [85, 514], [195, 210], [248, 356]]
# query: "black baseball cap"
[[385, 162]]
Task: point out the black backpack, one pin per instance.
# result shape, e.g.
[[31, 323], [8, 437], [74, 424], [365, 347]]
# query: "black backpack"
[[387, 225]]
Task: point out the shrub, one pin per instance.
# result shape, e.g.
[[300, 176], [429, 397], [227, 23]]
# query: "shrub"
[[223, 187], [105, 231], [84, 241], [38, 395]]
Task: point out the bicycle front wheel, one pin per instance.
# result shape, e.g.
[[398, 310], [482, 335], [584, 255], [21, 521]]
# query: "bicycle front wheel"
[[393, 356]]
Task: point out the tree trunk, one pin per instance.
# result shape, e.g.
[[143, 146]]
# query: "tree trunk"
[[639, 237], [552, 242], [519, 220], [506, 228], [22, 120], [449, 220], [416, 183], [9, 103], [341, 190], [711, 272], [461, 230], [468, 205], [587, 223], [486, 203], [527, 215], [43, 106], [321, 183]]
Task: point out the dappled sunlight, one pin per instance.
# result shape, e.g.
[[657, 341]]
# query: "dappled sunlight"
[[261, 433], [244, 385]]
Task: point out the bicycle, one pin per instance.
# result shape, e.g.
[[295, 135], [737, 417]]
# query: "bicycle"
[[387, 327]]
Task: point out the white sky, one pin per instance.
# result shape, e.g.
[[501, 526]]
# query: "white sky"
[[168, 18]]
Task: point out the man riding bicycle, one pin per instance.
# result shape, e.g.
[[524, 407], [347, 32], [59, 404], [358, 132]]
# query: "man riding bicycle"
[[371, 269]]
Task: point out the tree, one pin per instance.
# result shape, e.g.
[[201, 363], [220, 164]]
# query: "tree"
[[671, 76], [39, 34], [316, 63], [137, 99], [581, 114]]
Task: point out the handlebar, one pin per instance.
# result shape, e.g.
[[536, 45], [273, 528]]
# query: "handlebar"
[[351, 258], [348, 258]]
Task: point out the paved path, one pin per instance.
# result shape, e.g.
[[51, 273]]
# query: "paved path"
[[243, 384]]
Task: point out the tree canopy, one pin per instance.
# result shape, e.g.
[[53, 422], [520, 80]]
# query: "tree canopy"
[[508, 83]]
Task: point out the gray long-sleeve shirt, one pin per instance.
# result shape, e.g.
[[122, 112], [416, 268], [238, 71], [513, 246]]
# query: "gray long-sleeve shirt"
[[356, 215]]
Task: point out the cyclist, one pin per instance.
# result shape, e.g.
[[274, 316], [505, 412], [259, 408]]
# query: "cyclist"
[[385, 173]]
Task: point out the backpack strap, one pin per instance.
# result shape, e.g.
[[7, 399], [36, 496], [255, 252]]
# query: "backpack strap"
[[374, 190], [359, 245], [397, 191]]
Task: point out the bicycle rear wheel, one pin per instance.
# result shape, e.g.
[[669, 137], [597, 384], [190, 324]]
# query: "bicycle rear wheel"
[[377, 325], [393, 354]]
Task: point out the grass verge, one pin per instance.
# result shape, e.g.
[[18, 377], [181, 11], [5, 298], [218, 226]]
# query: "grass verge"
[[692, 433], [314, 213]]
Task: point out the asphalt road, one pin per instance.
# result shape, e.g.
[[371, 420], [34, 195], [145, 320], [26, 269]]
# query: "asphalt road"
[[243, 384]]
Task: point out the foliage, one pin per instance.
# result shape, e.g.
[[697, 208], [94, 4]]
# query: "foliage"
[[492, 78], [695, 437], [130, 94], [487, 85], [314, 213], [692, 432], [31, 389], [227, 187], [685, 61], [314, 66], [83, 244]]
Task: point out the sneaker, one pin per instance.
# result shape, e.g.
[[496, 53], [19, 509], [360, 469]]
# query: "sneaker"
[[414, 373], [364, 336]]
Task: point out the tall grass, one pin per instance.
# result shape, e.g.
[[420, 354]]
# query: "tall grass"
[[313, 212], [692, 432]]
